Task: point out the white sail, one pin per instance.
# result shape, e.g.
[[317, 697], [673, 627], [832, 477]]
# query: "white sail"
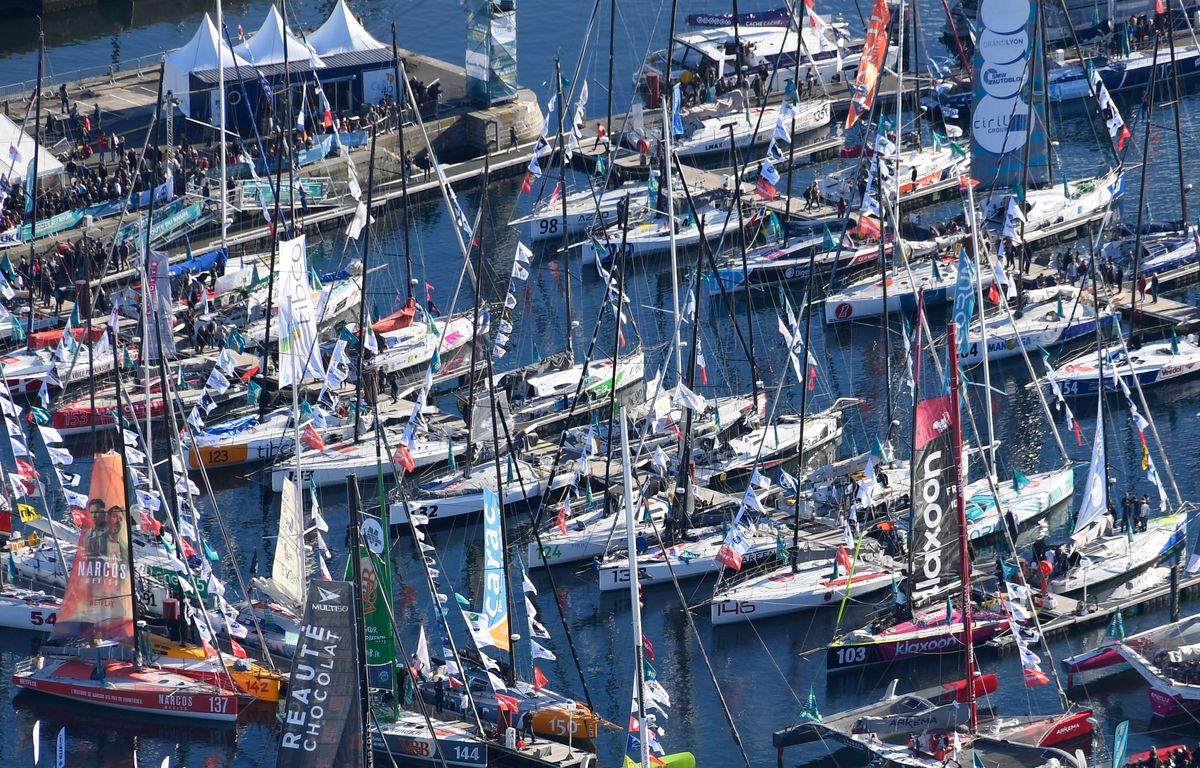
[[299, 353], [1095, 495], [286, 583]]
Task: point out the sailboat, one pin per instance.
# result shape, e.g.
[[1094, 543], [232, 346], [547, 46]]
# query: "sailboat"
[[1051, 318], [93, 655]]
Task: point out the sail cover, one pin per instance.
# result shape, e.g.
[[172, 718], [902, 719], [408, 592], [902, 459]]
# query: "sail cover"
[[1001, 86], [98, 602], [322, 721], [160, 306], [934, 548]]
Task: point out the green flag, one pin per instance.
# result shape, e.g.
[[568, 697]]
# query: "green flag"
[[376, 589], [828, 243], [600, 166], [18, 333], [957, 149], [1019, 480], [235, 340], [253, 392], [40, 415]]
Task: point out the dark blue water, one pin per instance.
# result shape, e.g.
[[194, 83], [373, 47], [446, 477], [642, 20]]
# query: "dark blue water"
[[764, 671]]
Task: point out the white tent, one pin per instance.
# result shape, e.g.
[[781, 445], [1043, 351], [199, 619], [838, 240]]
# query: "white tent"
[[269, 43], [205, 51], [342, 33], [14, 164]]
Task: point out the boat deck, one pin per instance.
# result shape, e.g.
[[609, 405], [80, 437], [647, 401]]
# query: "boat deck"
[[1070, 614]]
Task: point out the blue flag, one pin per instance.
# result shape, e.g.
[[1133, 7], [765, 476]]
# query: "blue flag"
[[1120, 742], [676, 118]]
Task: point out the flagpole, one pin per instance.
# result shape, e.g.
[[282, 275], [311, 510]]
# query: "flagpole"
[[973, 223], [147, 286], [32, 184], [562, 180], [363, 330], [221, 127]]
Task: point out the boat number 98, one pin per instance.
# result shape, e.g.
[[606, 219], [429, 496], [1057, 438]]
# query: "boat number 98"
[[547, 226]]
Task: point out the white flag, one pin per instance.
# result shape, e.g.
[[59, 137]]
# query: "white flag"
[[1095, 494], [686, 398]]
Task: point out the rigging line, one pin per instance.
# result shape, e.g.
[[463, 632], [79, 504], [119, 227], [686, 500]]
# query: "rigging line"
[[422, 705], [691, 621]]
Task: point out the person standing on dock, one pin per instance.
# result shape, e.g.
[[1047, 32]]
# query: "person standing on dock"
[[63, 99], [1126, 512], [1143, 518], [1154, 288], [1141, 286]]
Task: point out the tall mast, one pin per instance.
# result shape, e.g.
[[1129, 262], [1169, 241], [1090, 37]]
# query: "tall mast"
[[612, 40], [221, 125], [129, 522], [1183, 206], [635, 607], [401, 103], [562, 180], [32, 203], [1137, 235], [961, 504], [288, 124], [973, 223], [360, 625], [881, 201], [668, 139], [737, 47], [280, 139], [147, 284], [363, 330], [737, 199], [787, 199]]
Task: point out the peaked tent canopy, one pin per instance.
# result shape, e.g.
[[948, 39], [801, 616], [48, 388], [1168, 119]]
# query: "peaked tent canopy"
[[206, 50], [14, 165], [342, 33], [268, 44]]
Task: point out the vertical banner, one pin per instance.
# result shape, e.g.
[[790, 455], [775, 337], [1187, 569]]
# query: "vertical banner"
[[870, 64], [376, 589], [322, 720], [936, 560], [159, 305], [1000, 109], [495, 581], [1120, 744], [98, 602], [299, 348]]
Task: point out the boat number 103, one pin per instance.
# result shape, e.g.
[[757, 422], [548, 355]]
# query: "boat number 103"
[[851, 655]]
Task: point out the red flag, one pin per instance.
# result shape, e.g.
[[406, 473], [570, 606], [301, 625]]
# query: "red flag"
[[187, 548], [700, 362], [539, 680], [249, 374], [312, 438], [1035, 677], [994, 294], [648, 648], [1125, 134], [842, 558], [1159, 8], [87, 121], [237, 649], [963, 181], [507, 703], [527, 184], [867, 227], [82, 520], [765, 189], [1078, 432], [402, 457], [812, 377], [554, 195], [728, 558], [150, 523], [561, 521], [327, 119]]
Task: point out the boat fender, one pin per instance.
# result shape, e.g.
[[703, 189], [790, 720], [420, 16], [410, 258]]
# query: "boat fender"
[[588, 761]]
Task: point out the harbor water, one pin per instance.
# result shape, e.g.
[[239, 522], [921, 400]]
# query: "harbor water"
[[765, 671]]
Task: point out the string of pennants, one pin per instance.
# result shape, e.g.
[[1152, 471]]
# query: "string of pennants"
[[520, 273]]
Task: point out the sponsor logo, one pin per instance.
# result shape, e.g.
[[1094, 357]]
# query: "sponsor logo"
[[930, 645], [843, 311]]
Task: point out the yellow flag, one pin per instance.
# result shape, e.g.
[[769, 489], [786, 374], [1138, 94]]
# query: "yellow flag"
[[27, 513]]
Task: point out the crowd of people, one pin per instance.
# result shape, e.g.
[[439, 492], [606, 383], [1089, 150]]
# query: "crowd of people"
[[1178, 758]]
